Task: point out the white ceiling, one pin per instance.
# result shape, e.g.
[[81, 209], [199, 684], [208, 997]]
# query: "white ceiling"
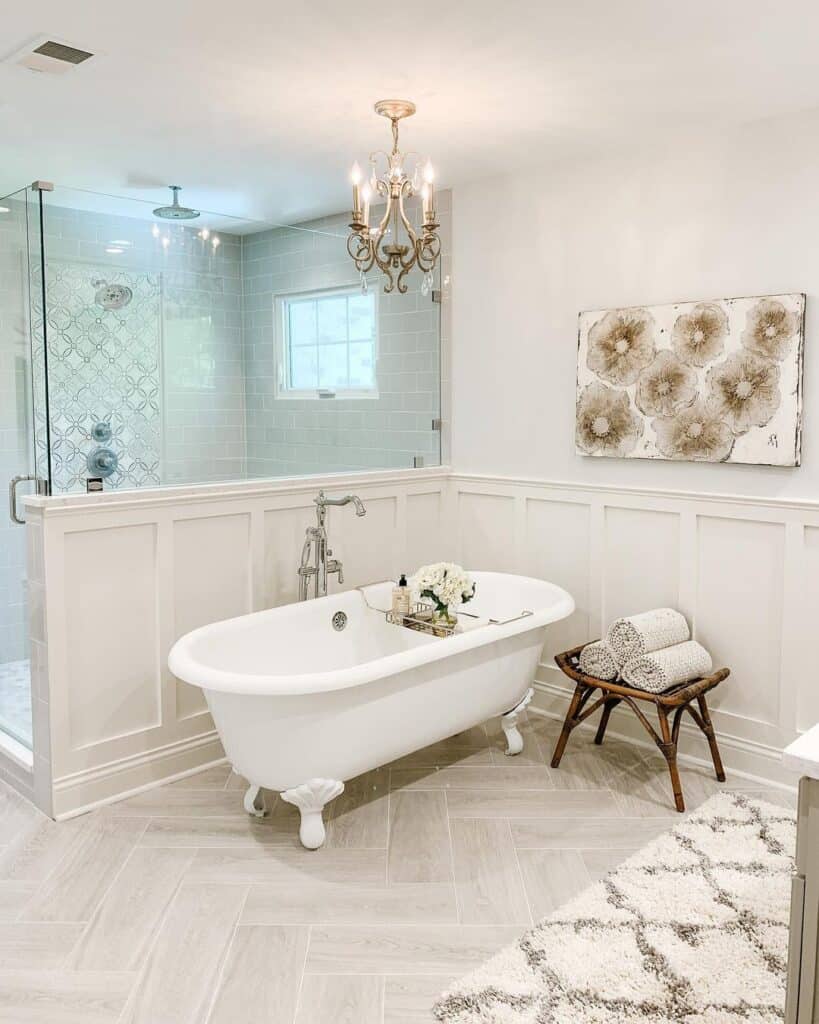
[[259, 107]]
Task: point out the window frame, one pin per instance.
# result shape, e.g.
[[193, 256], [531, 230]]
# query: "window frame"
[[282, 347]]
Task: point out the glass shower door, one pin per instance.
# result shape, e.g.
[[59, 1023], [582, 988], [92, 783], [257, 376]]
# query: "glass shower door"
[[20, 257]]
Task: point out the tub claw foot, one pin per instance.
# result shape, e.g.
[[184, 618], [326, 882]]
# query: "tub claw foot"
[[509, 724], [254, 794], [311, 798]]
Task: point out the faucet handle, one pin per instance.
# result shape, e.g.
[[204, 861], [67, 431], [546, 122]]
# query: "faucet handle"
[[334, 566]]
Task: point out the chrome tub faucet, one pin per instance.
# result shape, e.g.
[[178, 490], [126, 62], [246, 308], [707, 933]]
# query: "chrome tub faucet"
[[317, 562]]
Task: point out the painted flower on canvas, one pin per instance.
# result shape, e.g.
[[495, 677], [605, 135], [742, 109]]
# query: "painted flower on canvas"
[[697, 433], [699, 336], [715, 380], [769, 329], [606, 422], [744, 389], [665, 386], [621, 344]]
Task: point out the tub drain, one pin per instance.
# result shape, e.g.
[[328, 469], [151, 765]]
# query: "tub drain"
[[339, 621]]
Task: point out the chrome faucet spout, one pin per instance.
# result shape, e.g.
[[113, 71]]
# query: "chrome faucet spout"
[[317, 549]]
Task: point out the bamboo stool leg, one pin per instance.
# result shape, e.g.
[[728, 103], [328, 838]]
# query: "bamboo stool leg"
[[609, 706], [708, 729], [669, 749], [568, 725]]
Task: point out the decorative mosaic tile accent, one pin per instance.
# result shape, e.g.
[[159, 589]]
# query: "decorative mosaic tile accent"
[[104, 367]]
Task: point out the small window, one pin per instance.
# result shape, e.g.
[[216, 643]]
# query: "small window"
[[327, 344]]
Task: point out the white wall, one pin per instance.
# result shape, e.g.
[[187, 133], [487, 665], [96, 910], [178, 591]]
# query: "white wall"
[[717, 217], [709, 218]]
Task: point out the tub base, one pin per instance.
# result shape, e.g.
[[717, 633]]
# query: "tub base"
[[254, 802], [311, 798], [509, 724]]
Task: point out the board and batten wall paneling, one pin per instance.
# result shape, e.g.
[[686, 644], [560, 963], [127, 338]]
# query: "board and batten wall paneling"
[[112, 680], [738, 614], [804, 611], [284, 530], [428, 536], [742, 571], [129, 573], [641, 561], [212, 581], [370, 546], [556, 548], [486, 531]]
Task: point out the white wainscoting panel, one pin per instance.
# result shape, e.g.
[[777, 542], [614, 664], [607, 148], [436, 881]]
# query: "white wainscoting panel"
[[486, 530], [641, 561], [123, 577], [744, 572], [112, 668], [738, 615], [212, 576], [129, 575], [556, 548]]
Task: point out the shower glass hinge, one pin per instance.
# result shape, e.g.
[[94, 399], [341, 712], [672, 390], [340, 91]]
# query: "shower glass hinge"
[[437, 424], [436, 294], [418, 462], [42, 487]]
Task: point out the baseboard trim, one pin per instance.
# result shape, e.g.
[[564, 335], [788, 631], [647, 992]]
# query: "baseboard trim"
[[748, 760], [106, 784]]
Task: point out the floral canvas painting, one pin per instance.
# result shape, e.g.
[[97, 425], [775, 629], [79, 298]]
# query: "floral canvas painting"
[[712, 381]]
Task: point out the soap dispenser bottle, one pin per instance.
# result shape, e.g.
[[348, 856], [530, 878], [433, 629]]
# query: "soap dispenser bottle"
[[401, 597]]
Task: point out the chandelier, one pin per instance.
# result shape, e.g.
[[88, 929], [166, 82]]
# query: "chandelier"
[[393, 245]]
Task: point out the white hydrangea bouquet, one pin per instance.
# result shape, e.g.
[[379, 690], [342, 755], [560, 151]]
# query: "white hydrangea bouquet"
[[446, 586]]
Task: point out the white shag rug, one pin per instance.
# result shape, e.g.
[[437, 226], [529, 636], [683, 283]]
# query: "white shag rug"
[[692, 929]]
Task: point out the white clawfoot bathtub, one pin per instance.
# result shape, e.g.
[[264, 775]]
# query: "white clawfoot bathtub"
[[304, 698]]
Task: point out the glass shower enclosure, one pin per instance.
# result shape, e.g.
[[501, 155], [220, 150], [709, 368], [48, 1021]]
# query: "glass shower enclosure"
[[24, 447], [142, 352]]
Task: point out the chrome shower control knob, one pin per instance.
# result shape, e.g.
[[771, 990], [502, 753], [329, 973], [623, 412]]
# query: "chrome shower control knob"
[[102, 462], [101, 431]]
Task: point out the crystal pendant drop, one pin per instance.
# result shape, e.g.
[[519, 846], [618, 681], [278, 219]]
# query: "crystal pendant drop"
[[364, 285]]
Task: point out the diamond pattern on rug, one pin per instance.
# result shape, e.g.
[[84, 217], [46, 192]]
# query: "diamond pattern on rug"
[[693, 928]]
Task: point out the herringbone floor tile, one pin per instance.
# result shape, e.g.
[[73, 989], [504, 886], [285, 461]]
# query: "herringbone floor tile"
[[176, 906]]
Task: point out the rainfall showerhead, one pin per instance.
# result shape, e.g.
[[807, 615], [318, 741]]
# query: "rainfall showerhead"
[[175, 211], [111, 296]]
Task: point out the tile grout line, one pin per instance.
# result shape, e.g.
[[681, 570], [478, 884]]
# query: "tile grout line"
[[452, 859], [520, 873], [143, 969], [303, 972], [98, 906], [226, 956]]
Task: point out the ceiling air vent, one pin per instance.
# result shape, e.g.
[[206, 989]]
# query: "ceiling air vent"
[[51, 57]]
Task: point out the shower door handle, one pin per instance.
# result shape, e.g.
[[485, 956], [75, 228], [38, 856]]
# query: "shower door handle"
[[13, 485]]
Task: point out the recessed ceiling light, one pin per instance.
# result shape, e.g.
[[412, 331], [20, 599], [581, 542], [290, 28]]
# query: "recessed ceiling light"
[[4, 209], [114, 250], [120, 241]]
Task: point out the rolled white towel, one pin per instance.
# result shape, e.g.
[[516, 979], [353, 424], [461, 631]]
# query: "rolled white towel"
[[659, 670], [634, 635], [598, 660]]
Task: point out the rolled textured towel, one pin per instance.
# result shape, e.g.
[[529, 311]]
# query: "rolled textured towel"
[[634, 635], [598, 660], [659, 670]]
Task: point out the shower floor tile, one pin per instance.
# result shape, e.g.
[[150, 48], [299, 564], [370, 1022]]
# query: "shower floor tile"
[[15, 701]]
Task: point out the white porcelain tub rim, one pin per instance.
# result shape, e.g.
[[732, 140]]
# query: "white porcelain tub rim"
[[187, 666]]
